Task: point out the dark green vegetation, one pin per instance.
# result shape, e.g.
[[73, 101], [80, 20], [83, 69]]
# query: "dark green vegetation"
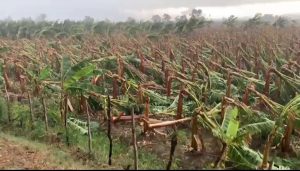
[[159, 25], [235, 89]]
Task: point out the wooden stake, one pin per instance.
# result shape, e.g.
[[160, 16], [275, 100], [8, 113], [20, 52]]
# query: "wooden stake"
[[45, 113], [89, 128], [135, 152], [65, 112], [109, 129], [173, 147], [6, 79], [31, 111], [8, 104]]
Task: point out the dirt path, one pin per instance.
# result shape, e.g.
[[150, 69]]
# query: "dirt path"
[[15, 154]]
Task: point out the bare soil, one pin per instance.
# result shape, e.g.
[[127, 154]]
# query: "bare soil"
[[160, 145], [15, 155]]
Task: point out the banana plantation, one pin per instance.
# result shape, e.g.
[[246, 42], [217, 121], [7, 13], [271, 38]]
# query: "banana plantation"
[[233, 93]]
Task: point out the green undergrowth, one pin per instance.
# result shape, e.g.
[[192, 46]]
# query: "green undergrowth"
[[122, 155]]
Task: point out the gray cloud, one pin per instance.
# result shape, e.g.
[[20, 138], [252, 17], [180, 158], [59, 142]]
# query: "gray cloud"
[[192, 3], [102, 9]]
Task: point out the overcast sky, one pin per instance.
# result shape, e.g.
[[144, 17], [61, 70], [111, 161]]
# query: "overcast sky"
[[117, 10]]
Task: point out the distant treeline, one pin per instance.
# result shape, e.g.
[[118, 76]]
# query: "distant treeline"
[[28, 28]]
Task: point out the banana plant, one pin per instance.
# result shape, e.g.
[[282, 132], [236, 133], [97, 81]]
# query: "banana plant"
[[73, 79], [235, 137]]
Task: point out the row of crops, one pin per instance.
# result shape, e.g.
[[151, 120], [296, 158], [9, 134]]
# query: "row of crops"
[[241, 86]]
